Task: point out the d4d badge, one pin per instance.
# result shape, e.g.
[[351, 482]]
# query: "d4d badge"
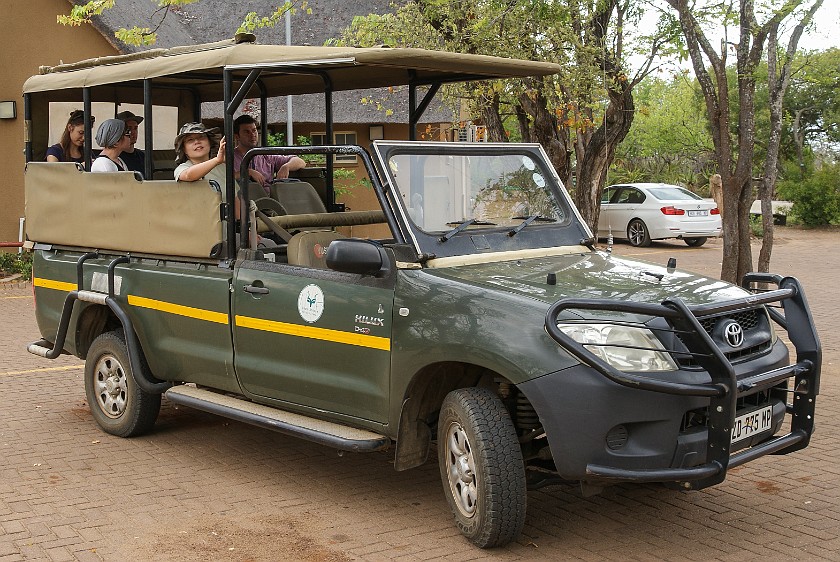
[[311, 303]]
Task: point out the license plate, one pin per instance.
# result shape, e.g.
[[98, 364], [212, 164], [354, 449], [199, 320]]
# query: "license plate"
[[698, 213], [750, 424]]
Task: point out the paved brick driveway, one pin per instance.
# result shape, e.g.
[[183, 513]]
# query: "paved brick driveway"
[[201, 487]]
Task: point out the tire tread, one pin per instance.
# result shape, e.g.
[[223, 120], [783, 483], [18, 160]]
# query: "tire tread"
[[498, 447], [143, 409]]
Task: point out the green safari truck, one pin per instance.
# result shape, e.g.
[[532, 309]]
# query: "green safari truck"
[[469, 314]]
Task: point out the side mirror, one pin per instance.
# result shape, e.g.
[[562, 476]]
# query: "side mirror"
[[357, 256]]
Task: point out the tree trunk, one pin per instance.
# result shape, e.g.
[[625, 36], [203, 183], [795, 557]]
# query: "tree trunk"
[[491, 116], [524, 124], [777, 85], [545, 130], [600, 152], [799, 140], [735, 162]]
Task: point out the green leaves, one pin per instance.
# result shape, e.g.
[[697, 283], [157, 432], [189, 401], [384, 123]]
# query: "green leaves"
[[254, 21], [82, 13], [145, 35]]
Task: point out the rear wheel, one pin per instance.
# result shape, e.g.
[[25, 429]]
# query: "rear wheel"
[[481, 467], [116, 402], [695, 242], [637, 233]]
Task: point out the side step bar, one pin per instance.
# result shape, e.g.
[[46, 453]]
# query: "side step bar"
[[326, 433]]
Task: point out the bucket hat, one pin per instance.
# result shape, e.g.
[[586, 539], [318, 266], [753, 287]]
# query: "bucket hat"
[[194, 129]]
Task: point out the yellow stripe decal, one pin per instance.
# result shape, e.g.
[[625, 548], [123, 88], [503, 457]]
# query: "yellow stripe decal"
[[50, 284], [324, 334], [178, 309], [336, 336]]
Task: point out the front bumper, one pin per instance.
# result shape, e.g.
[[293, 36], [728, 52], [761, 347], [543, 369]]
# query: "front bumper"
[[582, 407]]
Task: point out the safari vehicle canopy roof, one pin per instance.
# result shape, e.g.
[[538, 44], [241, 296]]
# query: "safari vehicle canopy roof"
[[285, 69], [233, 70]]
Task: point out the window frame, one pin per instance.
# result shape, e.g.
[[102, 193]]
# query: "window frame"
[[346, 159]]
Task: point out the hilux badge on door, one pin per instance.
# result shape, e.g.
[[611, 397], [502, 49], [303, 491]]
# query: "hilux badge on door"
[[311, 303]]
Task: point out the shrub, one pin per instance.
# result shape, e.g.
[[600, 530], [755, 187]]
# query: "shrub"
[[816, 199], [756, 226], [12, 262]]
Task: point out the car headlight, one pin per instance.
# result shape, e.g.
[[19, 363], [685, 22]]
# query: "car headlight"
[[627, 348]]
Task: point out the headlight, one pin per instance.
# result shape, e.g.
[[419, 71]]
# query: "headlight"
[[627, 348]]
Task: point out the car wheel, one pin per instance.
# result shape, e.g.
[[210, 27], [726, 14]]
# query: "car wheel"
[[695, 242], [481, 467], [637, 233], [116, 402]]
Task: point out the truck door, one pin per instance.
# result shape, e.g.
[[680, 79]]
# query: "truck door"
[[313, 337]]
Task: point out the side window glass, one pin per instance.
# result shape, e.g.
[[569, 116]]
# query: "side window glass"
[[624, 196], [635, 196]]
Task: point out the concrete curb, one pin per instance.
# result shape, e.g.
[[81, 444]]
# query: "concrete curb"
[[15, 281]]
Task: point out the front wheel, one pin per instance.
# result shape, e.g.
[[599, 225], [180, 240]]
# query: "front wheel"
[[637, 233], [481, 467], [695, 242], [116, 402]]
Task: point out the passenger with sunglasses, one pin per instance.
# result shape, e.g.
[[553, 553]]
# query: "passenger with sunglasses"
[[114, 137], [133, 157]]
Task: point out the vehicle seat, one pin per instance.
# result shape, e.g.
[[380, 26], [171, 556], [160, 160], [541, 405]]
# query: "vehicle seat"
[[264, 202], [636, 197], [298, 197], [309, 249]]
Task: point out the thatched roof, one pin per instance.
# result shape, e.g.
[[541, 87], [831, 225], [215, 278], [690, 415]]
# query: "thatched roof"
[[216, 20]]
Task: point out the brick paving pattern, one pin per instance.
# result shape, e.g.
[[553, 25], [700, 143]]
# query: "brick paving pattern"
[[202, 487]]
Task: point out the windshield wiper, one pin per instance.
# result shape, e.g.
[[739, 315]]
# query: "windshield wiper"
[[463, 226], [527, 221]]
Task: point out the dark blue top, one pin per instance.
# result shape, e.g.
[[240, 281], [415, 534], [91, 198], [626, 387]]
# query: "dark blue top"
[[58, 152]]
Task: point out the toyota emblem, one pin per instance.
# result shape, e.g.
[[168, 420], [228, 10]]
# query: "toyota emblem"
[[734, 334]]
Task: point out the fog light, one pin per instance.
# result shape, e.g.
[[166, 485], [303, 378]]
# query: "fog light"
[[617, 437]]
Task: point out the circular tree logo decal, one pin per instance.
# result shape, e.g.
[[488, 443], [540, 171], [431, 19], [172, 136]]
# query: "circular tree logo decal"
[[311, 303]]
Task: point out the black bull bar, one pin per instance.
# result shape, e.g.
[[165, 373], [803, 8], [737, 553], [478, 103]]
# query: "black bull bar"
[[724, 388]]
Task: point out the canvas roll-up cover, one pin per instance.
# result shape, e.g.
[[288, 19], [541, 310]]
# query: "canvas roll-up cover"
[[117, 211], [286, 69]]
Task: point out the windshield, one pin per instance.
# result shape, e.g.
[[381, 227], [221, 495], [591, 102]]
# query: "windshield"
[[673, 194], [442, 191]]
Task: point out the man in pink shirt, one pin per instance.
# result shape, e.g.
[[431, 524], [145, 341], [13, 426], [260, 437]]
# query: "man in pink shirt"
[[264, 168]]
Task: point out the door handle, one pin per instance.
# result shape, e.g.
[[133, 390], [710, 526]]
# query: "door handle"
[[256, 289]]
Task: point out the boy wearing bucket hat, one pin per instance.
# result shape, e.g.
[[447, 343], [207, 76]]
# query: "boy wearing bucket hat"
[[112, 137], [133, 157], [193, 147]]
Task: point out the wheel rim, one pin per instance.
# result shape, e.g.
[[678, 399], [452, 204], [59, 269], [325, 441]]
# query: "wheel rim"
[[636, 233], [111, 386], [460, 466]]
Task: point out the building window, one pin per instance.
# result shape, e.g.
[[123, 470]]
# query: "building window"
[[341, 138]]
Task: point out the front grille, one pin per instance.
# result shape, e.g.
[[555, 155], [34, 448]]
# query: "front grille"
[[750, 320], [733, 356]]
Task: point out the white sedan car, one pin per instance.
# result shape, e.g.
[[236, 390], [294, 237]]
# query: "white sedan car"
[[641, 212]]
